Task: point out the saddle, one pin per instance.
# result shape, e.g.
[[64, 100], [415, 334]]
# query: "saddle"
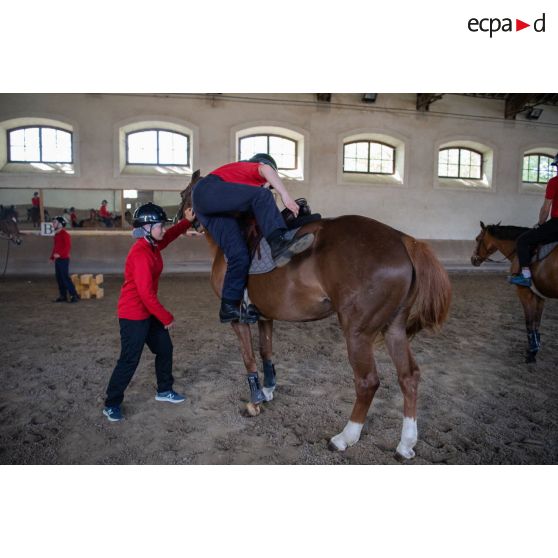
[[260, 252], [542, 251]]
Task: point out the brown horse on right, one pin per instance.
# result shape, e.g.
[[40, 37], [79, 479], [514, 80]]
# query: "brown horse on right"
[[502, 238], [378, 281]]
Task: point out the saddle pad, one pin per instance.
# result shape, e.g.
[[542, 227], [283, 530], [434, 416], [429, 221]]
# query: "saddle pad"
[[543, 251], [262, 262]]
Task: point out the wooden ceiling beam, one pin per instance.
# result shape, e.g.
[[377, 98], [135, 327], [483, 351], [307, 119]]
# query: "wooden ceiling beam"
[[518, 102], [424, 100]]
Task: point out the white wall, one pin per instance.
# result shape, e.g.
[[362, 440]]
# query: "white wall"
[[419, 206]]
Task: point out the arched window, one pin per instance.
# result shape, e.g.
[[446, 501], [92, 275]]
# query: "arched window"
[[39, 144], [370, 157], [537, 169], [460, 162], [157, 147], [284, 150]]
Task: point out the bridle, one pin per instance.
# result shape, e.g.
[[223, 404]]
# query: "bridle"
[[477, 257]]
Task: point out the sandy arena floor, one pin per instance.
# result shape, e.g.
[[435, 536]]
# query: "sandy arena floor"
[[478, 401]]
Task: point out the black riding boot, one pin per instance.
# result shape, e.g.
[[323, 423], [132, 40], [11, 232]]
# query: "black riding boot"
[[236, 311], [283, 249], [229, 311]]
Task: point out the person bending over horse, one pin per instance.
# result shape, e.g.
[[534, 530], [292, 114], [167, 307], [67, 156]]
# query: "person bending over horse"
[[60, 255], [219, 198], [143, 319], [545, 231]]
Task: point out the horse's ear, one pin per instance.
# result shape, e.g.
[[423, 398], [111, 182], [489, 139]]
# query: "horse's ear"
[[196, 174], [482, 225]]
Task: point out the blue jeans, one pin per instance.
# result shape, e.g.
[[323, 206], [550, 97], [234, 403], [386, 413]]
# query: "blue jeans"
[[62, 270], [215, 203], [134, 334]]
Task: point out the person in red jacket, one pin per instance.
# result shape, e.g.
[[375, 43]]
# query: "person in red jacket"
[[546, 230], [61, 257], [143, 319], [105, 215]]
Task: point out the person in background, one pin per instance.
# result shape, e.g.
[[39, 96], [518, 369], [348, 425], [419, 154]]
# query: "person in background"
[[105, 214], [143, 319], [67, 216], [61, 257], [36, 209], [73, 217], [545, 231]]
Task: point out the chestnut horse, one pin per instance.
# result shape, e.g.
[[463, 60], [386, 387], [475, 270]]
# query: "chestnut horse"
[[379, 282], [502, 238]]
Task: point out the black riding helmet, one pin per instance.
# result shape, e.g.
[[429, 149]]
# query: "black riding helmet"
[[61, 220], [555, 161], [265, 159], [149, 214]]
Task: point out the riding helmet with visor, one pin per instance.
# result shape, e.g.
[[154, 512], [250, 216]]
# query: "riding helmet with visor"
[[149, 214], [61, 220]]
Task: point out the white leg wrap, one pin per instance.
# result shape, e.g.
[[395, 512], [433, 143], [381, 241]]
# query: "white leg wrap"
[[268, 392], [349, 436], [409, 437]]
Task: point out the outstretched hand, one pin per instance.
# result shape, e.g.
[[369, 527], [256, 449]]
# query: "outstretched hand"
[[189, 214]]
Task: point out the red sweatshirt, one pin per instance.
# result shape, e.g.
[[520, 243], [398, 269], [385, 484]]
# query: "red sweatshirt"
[[144, 264], [62, 245], [241, 173]]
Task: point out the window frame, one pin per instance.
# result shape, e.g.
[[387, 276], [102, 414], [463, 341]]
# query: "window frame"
[[394, 153], [157, 164], [459, 177], [275, 136], [539, 155], [40, 127]]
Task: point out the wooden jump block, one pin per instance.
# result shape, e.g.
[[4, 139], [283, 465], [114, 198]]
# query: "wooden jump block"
[[85, 279], [87, 285]]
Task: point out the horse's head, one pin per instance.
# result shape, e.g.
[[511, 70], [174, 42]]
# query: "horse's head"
[[186, 196], [10, 230], [485, 245]]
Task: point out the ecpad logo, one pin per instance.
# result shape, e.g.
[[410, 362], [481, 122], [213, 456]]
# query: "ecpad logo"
[[494, 24]]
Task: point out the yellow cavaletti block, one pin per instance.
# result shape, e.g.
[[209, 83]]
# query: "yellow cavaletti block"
[[87, 285], [85, 278]]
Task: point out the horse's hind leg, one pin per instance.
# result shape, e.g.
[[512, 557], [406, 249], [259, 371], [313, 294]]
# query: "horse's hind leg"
[[265, 328], [533, 306], [408, 375], [361, 356]]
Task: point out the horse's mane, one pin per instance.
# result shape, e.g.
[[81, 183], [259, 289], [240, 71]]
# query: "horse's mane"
[[506, 232]]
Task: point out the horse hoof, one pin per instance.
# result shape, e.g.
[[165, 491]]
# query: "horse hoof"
[[404, 457], [530, 358], [253, 410], [332, 446]]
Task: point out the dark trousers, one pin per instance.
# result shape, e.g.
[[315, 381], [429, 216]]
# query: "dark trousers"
[[62, 270], [134, 334], [215, 203], [547, 232]]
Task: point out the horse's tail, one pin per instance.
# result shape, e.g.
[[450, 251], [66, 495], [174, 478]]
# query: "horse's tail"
[[431, 291]]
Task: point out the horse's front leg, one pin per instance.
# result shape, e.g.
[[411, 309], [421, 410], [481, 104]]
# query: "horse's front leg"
[[361, 357], [256, 394], [265, 328]]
